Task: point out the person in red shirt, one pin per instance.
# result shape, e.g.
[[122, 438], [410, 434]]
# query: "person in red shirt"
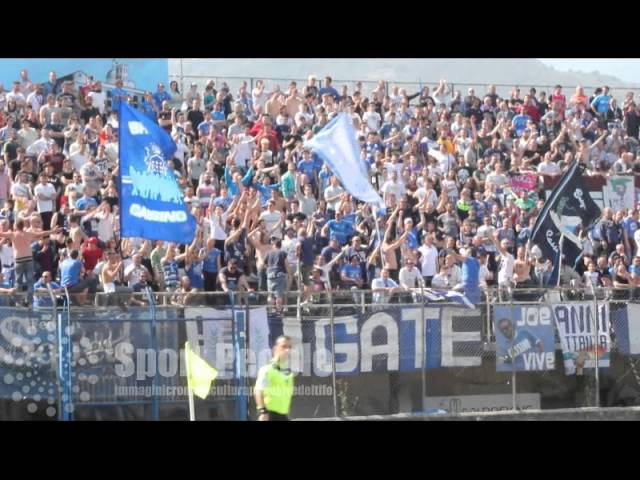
[[529, 108], [86, 88], [559, 98], [270, 134], [91, 254], [257, 127]]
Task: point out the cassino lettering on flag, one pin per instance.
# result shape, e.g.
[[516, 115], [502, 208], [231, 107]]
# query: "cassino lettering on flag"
[[152, 205], [336, 144]]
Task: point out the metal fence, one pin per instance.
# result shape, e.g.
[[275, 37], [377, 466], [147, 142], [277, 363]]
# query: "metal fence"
[[504, 90], [353, 354]]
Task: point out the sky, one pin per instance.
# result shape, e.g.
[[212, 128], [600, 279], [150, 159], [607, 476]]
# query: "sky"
[[627, 69]]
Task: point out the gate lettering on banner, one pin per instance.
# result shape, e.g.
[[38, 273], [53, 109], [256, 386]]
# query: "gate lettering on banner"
[[387, 340]]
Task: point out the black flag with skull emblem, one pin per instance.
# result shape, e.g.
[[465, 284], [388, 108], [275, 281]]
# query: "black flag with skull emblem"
[[568, 212]]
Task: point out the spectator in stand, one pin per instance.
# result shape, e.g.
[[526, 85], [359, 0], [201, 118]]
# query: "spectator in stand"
[[44, 288]]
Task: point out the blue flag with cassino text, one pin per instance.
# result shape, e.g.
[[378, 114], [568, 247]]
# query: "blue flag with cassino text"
[[336, 144], [152, 204]]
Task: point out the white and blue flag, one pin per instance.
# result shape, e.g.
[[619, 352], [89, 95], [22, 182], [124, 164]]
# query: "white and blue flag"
[[452, 296], [152, 204], [336, 144]]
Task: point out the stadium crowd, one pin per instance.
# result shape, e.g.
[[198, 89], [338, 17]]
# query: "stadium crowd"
[[271, 215]]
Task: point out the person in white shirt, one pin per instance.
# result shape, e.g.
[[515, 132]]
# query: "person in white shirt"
[[427, 192], [273, 220], [497, 177], [372, 118], [507, 262], [7, 257], [289, 242], [98, 98], [244, 147], [440, 93], [383, 288], [45, 194], [133, 271], [409, 276], [21, 191], [446, 161], [547, 167], [36, 98], [78, 154], [636, 238], [394, 165], [217, 222], [393, 186], [16, 95], [259, 96], [41, 145], [591, 276], [428, 259], [410, 279], [27, 135], [332, 194], [449, 276], [484, 273]]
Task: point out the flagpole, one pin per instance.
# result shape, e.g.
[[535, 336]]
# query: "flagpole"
[[192, 406], [375, 218], [560, 243]]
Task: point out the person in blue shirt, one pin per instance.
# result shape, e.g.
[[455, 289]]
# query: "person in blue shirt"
[[170, 268], [630, 225], [372, 146], [317, 161], [7, 288], [339, 229], [42, 287], [193, 266], [70, 277], [305, 252], [386, 128], [510, 347], [519, 123], [205, 126], [412, 237], [265, 188], [351, 276], [470, 274], [324, 177], [600, 104], [148, 107], [217, 114], [160, 96], [118, 95], [83, 203], [233, 179], [328, 89], [307, 166], [51, 87], [211, 266], [223, 199], [525, 233]]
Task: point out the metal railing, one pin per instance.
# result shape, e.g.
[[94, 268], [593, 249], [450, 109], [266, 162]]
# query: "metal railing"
[[503, 89]]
